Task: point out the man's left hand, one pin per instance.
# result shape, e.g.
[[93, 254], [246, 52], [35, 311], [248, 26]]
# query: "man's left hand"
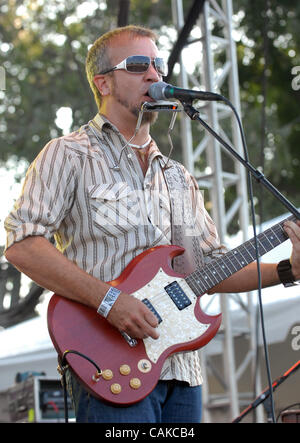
[[293, 231]]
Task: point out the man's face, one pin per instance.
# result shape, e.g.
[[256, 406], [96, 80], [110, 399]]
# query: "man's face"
[[129, 90]]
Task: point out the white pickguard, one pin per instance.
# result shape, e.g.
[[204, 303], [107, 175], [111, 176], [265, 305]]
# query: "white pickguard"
[[177, 326]]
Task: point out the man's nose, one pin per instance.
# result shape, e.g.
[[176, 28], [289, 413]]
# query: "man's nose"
[[152, 73]]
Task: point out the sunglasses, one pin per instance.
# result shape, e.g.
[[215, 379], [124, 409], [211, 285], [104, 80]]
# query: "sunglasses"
[[137, 64]]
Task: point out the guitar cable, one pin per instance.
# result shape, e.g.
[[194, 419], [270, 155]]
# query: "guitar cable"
[[62, 367]]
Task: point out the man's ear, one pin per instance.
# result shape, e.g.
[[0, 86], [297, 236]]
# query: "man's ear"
[[103, 84]]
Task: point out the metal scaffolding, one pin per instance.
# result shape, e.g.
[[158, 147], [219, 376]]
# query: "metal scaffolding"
[[217, 173]]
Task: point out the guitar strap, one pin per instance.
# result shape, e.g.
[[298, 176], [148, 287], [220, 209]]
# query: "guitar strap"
[[184, 232]]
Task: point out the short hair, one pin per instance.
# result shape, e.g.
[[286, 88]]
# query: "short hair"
[[98, 59]]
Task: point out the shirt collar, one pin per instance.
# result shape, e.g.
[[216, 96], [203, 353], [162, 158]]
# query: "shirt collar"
[[100, 122]]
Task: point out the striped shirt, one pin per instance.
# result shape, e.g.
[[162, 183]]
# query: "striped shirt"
[[93, 198]]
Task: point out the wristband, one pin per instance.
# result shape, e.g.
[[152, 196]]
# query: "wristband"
[[284, 269], [108, 301]]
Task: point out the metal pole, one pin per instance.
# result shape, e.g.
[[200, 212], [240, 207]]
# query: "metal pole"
[[185, 122], [215, 178]]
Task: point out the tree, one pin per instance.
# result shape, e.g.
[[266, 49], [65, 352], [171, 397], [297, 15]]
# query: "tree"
[[269, 62], [43, 48]]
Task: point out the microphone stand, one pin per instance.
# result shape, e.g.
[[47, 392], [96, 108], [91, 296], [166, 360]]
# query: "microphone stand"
[[259, 176], [264, 395]]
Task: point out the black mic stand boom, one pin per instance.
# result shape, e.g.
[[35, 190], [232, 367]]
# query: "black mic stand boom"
[[259, 176]]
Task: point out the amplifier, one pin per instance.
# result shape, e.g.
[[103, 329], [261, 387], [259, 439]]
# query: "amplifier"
[[36, 400]]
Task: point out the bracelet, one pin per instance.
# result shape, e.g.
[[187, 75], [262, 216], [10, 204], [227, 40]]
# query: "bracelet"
[[108, 301]]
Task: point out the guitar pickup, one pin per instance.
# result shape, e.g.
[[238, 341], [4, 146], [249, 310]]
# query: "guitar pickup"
[[177, 295], [152, 309]]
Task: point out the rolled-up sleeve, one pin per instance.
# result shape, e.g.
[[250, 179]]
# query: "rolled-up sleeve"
[[46, 195]]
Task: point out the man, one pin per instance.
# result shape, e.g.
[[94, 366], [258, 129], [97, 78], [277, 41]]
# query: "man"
[[69, 192]]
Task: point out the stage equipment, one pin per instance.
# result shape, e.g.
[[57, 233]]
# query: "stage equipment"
[[37, 399], [285, 415]]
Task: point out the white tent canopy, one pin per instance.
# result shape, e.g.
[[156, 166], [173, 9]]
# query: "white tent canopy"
[[27, 346]]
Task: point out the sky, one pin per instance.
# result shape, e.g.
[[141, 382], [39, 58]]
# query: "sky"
[[10, 188]]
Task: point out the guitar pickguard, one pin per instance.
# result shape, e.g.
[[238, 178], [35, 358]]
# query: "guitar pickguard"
[[177, 326], [128, 376], [129, 370]]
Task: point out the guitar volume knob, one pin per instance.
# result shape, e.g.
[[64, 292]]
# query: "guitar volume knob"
[[125, 369], [135, 383], [107, 374], [116, 388]]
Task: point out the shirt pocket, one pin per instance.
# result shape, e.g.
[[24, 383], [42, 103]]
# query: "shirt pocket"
[[115, 208]]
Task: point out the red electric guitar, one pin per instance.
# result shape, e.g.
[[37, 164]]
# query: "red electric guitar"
[[130, 369]]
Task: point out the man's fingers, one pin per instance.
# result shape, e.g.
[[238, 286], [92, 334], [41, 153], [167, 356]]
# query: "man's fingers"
[[133, 317], [293, 230], [151, 324], [151, 319]]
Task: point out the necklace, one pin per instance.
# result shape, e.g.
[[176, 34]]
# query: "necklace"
[[141, 146]]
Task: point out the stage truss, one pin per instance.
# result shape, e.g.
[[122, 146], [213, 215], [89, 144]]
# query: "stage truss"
[[218, 173]]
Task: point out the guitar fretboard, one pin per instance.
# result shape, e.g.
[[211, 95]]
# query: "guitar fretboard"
[[223, 267]]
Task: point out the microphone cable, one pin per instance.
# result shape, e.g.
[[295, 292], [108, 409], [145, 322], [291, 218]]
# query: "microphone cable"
[[250, 187], [249, 180]]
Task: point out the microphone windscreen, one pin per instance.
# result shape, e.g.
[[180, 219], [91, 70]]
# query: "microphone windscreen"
[[156, 90]]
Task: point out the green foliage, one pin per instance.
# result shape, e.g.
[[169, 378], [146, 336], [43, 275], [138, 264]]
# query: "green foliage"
[[267, 52], [43, 45]]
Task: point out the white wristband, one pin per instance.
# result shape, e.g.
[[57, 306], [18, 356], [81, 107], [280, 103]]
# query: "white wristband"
[[108, 301]]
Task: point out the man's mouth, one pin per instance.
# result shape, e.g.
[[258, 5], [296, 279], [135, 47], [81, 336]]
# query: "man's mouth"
[[149, 99]]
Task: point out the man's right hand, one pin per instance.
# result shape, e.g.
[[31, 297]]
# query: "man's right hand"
[[130, 315]]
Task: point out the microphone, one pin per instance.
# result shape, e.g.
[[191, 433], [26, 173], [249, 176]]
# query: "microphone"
[[163, 91]]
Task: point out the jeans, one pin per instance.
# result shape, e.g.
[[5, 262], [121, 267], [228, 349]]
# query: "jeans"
[[170, 402]]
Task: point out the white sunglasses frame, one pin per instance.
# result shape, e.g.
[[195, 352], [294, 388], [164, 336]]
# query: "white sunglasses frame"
[[123, 65]]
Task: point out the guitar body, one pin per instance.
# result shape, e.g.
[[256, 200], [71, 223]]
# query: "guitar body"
[[133, 370]]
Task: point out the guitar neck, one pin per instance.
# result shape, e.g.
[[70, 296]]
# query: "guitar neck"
[[221, 268]]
